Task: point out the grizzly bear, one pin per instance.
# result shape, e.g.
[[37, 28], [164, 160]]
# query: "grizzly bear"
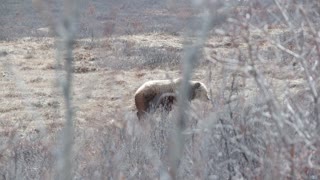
[[163, 93]]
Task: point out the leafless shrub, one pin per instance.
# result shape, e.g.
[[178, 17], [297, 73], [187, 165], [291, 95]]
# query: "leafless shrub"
[[262, 63], [286, 133]]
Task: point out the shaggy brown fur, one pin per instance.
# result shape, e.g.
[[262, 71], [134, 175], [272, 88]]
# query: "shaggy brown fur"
[[162, 93]]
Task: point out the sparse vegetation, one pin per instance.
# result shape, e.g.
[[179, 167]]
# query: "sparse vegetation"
[[259, 58]]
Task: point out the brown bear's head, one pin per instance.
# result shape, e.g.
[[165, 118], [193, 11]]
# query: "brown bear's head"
[[199, 91]]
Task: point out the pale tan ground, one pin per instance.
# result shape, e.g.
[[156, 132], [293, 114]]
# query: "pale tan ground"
[[31, 100], [30, 97]]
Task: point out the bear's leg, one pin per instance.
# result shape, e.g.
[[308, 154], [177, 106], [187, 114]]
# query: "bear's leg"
[[168, 103], [140, 115], [141, 105]]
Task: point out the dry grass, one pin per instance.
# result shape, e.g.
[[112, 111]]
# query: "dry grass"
[[239, 135], [105, 114]]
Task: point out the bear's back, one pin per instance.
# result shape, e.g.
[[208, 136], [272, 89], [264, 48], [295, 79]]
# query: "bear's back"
[[158, 87]]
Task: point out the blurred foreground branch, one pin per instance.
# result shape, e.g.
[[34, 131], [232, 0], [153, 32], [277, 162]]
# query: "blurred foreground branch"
[[67, 33], [211, 17]]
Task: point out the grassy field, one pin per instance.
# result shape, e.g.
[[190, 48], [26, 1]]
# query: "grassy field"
[[260, 65]]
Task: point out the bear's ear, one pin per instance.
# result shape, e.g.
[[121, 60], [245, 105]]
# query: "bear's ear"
[[196, 85]]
